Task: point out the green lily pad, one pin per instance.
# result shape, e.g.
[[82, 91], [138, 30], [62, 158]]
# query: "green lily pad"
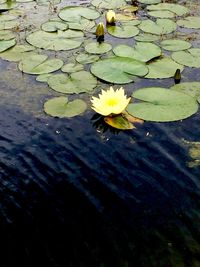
[[17, 52], [61, 108], [10, 24], [175, 8], [175, 45], [189, 88], [109, 4], [159, 27], [6, 35], [163, 14], [189, 22], [6, 17], [162, 105], [39, 64], [84, 58], [146, 37], [82, 25], [123, 31], [59, 40], [72, 67], [53, 26], [75, 83], [5, 44], [149, 2], [47, 2], [98, 48], [189, 58], [75, 13], [8, 5], [142, 51], [163, 68], [43, 77], [119, 70]]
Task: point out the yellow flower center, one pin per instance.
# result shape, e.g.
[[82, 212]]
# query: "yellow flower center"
[[112, 102]]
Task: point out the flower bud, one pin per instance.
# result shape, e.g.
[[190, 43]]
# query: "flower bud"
[[110, 17], [100, 30]]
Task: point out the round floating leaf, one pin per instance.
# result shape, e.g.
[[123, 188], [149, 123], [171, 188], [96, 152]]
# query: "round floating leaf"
[[159, 27], [149, 2], [53, 26], [72, 67], [60, 40], [6, 17], [163, 68], [43, 77], [119, 122], [8, 5], [10, 24], [161, 14], [75, 13], [39, 64], [111, 4], [189, 88], [147, 37], [175, 8], [98, 48], [4, 45], [6, 35], [190, 22], [142, 51], [175, 45], [124, 31], [82, 25], [86, 58], [162, 105], [60, 107], [47, 2], [17, 52], [75, 83], [118, 70], [189, 58]]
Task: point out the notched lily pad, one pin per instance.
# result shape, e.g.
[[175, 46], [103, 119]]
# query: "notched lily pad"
[[75, 83], [189, 88], [159, 27], [84, 58], [162, 105], [175, 8], [189, 58], [5, 44], [72, 67], [98, 48], [109, 4], [39, 64], [54, 26], [75, 13], [175, 45], [17, 52], [189, 22], [61, 108], [119, 70], [123, 31]]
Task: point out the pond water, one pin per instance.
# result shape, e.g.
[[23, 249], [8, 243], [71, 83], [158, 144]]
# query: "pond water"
[[77, 193]]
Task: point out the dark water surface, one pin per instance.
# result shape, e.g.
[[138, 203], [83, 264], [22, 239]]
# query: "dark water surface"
[[72, 195]]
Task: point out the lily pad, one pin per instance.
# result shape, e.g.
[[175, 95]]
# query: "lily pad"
[[109, 4], [17, 52], [10, 24], [84, 58], [75, 13], [6, 35], [162, 14], [162, 105], [147, 37], [189, 58], [149, 2], [75, 83], [5, 44], [8, 5], [163, 68], [119, 122], [142, 51], [189, 22], [60, 107], [39, 64], [82, 25], [123, 31], [43, 77], [159, 27], [53, 26], [189, 88], [72, 67], [119, 70], [175, 8], [60, 40], [98, 48], [175, 45], [6, 17]]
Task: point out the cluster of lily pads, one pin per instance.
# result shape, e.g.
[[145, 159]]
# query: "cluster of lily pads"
[[155, 53]]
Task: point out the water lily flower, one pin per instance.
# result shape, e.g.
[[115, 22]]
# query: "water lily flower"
[[110, 102], [110, 17], [100, 30]]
